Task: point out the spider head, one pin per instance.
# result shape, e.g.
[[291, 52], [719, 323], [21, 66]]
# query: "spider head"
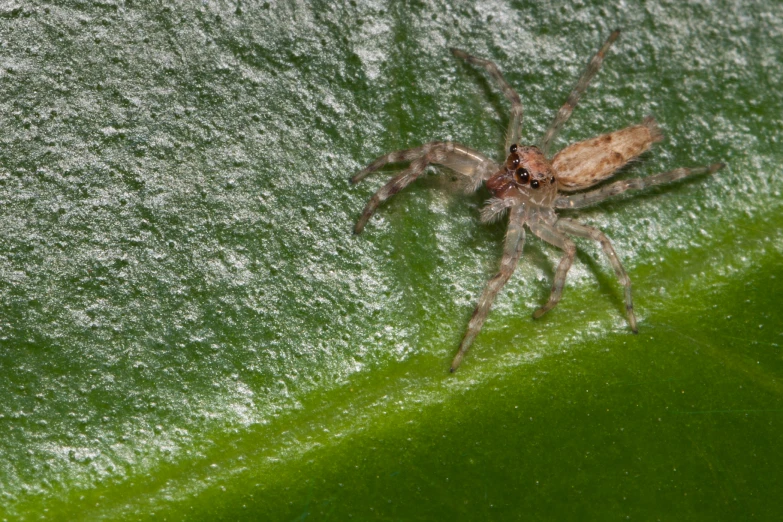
[[526, 176]]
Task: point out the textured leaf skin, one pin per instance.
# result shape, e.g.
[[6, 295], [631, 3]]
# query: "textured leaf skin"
[[189, 330]]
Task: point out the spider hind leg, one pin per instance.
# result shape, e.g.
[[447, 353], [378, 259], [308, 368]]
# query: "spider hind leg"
[[557, 238], [577, 229]]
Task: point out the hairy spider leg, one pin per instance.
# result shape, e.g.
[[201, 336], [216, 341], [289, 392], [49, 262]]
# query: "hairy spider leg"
[[512, 250], [618, 187], [459, 158], [392, 157], [575, 228], [554, 237], [568, 107], [514, 133]]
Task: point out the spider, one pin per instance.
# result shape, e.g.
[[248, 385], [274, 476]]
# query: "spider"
[[528, 186]]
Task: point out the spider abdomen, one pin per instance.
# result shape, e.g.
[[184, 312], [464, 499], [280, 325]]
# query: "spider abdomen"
[[585, 163]]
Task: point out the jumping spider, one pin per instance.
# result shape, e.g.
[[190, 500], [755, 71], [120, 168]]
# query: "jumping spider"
[[527, 186]]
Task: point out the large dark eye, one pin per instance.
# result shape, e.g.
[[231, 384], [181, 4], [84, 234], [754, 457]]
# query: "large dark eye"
[[534, 183], [513, 148], [523, 176], [513, 161]]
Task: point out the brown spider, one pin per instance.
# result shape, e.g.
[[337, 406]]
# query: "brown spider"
[[527, 186]]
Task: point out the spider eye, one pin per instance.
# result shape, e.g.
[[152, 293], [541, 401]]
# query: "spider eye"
[[513, 148], [552, 180], [534, 183], [523, 176], [513, 161]]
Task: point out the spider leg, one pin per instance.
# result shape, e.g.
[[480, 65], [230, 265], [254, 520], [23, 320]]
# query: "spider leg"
[[568, 107], [572, 227], [514, 133], [618, 187], [392, 157], [459, 158], [554, 237], [512, 249]]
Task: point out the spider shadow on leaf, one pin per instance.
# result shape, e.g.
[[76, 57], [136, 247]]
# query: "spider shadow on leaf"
[[602, 274], [491, 97]]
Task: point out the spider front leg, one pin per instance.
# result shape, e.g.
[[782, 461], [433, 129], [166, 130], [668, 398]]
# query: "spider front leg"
[[572, 227], [514, 133], [618, 187], [459, 158], [554, 237], [512, 249]]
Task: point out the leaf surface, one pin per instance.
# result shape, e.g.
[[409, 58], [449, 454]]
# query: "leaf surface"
[[189, 330]]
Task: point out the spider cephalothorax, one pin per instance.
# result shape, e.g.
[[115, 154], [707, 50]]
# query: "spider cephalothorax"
[[526, 186], [525, 176]]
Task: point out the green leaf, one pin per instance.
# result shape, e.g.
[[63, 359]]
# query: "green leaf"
[[189, 329]]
